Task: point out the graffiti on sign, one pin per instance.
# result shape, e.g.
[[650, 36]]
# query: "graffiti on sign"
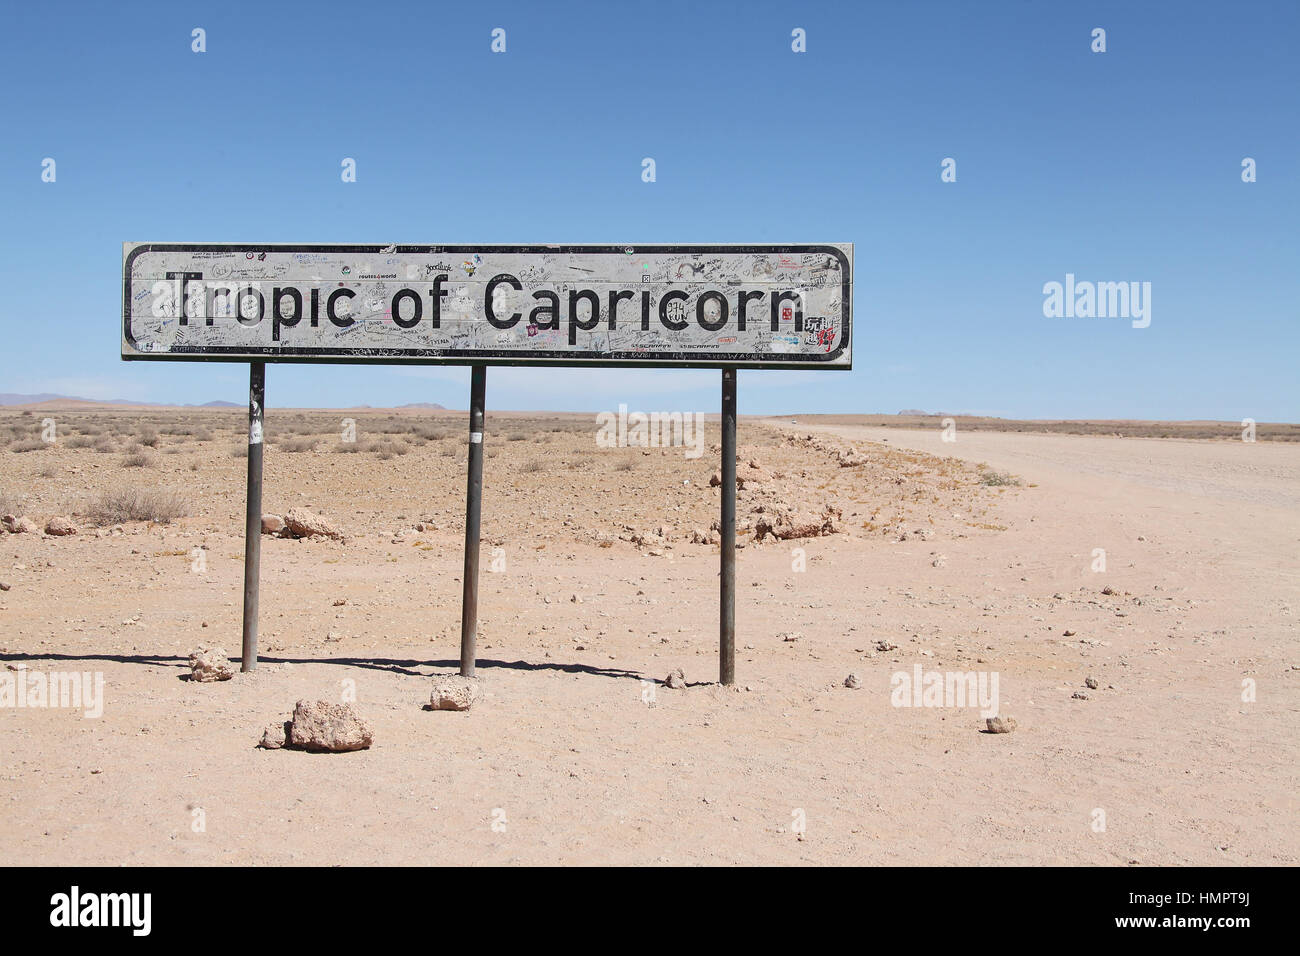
[[704, 306]]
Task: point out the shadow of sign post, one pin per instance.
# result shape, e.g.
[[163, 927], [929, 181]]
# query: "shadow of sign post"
[[728, 307]]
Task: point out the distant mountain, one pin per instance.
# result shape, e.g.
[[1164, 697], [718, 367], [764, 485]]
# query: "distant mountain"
[[46, 398], [13, 398]]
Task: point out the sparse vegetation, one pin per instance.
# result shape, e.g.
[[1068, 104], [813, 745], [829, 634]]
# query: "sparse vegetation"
[[159, 505], [998, 479]]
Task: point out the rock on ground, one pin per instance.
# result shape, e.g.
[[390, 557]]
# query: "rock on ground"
[[852, 682], [676, 680], [59, 526], [18, 525], [1000, 725], [453, 692], [302, 523], [210, 664], [272, 524], [790, 525], [276, 735], [324, 727]]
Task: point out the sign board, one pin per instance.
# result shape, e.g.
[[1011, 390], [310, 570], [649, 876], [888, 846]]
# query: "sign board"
[[741, 306]]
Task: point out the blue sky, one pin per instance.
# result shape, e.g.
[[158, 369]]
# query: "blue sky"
[[1115, 166]]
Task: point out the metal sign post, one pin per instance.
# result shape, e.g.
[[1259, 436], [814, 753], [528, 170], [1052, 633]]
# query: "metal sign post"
[[473, 506], [600, 306], [727, 585], [253, 512]]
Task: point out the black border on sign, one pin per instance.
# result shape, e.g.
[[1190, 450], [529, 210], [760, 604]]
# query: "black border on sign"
[[223, 353]]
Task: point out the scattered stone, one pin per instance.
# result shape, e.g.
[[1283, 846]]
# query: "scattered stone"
[[301, 523], [676, 680], [786, 526], [4, 585], [939, 561], [791, 636], [60, 526], [276, 735], [1079, 695], [852, 682], [1000, 725], [1090, 683], [320, 726], [454, 692], [272, 524], [210, 664], [886, 646], [1069, 634], [18, 525]]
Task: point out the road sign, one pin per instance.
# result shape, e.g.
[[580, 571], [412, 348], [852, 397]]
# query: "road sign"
[[738, 306]]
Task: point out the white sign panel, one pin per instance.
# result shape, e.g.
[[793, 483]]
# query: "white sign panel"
[[693, 306]]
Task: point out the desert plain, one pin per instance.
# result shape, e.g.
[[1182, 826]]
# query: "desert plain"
[[1135, 596]]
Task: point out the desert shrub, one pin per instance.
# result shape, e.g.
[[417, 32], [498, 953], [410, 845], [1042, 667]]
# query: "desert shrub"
[[517, 436], [49, 471], [138, 459], [80, 441], [239, 451], [104, 445], [997, 479], [159, 505], [10, 504], [347, 447], [31, 444], [297, 444], [203, 435], [148, 438], [531, 467]]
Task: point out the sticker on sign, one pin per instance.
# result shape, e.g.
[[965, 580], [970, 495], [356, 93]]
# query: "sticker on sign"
[[759, 306]]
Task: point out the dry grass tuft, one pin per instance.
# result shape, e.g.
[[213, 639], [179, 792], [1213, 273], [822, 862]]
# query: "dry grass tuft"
[[159, 505]]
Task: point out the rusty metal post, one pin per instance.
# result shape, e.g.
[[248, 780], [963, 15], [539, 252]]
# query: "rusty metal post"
[[727, 615], [473, 507], [253, 512]]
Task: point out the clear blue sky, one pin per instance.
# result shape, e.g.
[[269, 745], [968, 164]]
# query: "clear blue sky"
[[1122, 166]]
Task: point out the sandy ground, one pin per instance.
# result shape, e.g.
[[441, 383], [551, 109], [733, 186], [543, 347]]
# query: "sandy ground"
[[578, 753]]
